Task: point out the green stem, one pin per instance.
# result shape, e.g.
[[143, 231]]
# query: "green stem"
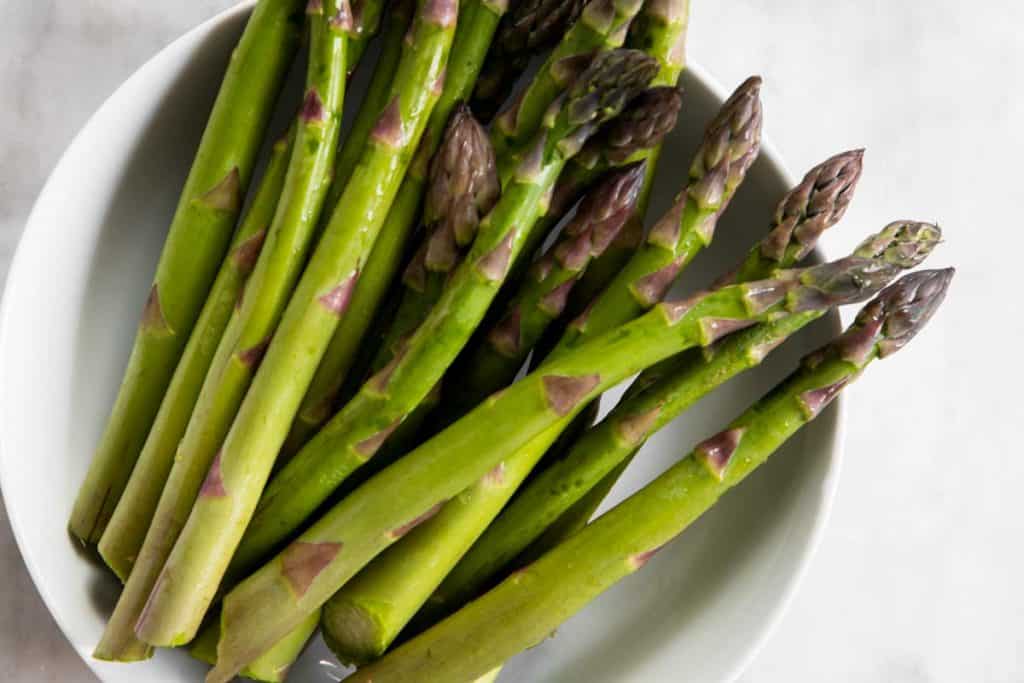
[[122, 540], [196, 243]]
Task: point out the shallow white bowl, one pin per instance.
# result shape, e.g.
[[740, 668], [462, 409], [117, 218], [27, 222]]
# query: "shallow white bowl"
[[697, 612]]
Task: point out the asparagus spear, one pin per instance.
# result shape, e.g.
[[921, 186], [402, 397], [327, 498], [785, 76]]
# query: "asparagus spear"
[[683, 381], [277, 597], [195, 566], [532, 27], [399, 17], [729, 148], [365, 24], [660, 30], [359, 429], [602, 25], [366, 615], [126, 530], [477, 22], [493, 363], [198, 238], [245, 340], [527, 607]]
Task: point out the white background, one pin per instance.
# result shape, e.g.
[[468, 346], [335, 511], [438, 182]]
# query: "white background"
[[917, 577]]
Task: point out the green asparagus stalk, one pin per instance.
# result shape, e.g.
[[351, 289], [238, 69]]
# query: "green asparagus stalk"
[[494, 362], [194, 569], [122, 540], [478, 20], [660, 30], [730, 146], [682, 382], [244, 341], [196, 243], [602, 25], [533, 26], [529, 605], [463, 188], [399, 17], [277, 597], [365, 24], [362, 426], [376, 595], [273, 665]]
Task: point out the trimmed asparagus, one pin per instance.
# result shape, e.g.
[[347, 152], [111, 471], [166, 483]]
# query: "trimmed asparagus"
[[532, 27], [477, 22], [277, 597], [494, 362], [362, 426], [529, 605], [122, 540], [244, 341], [602, 25], [197, 563], [198, 238], [678, 384], [730, 145]]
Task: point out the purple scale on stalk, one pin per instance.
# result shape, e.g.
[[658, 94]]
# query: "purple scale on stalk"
[[858, 342], [494, 265], [634, 429], [343, 20], [716, 452], [245, 254], [226, 195], [675, 310], [813, 401], [402, 530], [553, 303], [638, 560], [213, 484], [667, 230], [599, 14], [506, 335], [370, 445], [252, 356], [565, 393], [532, 162], [388, 129], [650, 289], [315, 7], [495, 476], [382, 378], [337, 300], [153, 320], [302, 562], [762, 295], [441, 13]]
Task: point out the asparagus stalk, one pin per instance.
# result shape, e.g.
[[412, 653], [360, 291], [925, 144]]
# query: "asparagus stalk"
[[527, 607], [275, 599], [602, 25], [244, 341], [728, 151], [122, 540], [362, 426], [477, 22], [273, 665], [532, 27], [198, 238], [196, 565], [660, 30], [494, 362], [399, 17], [683, 380]]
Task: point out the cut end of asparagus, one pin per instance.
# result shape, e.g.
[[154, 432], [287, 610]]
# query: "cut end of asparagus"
[[354, 632], [813, 206], [902, 243]]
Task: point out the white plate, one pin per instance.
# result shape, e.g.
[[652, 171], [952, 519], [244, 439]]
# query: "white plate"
[[698, 611]]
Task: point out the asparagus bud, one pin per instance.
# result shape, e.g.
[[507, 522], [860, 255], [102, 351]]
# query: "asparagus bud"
[[906, 243]]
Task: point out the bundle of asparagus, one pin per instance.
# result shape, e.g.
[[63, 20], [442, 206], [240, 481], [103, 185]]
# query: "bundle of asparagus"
[[319, 423]]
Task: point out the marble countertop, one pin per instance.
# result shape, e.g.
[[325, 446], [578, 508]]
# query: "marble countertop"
[[917, 577]]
